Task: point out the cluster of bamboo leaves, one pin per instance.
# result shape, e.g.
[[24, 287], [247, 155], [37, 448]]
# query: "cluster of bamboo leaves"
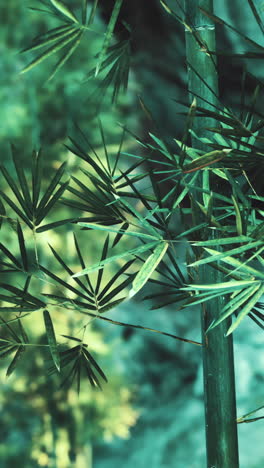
[[113, 59], [156, 209]]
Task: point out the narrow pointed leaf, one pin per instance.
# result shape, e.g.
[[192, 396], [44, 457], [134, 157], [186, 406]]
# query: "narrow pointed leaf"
[[45, 210], [26, 208], [108, 34], [22, 247], [16, 209], [136, 251], [92, 13], [67, 55], [50, 51], [51, 339], [12, 366], [246, 309], [228, 285], [205, 160], [233, 305], [62, 8], [224, 241], [100, 227], [149, 266], [218, 256]]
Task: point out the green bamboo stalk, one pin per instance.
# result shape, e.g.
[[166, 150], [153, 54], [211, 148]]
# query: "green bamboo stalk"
[[218, 359]]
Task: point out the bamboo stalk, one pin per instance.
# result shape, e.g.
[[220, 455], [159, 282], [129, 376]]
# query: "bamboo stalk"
[[218, 359]]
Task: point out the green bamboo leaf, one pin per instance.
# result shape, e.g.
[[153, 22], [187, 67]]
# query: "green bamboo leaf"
[[228, 286], [141, 219], [7, 350], [67, 55], [42, 42], [234, 304], [92, 13], [115, 291], [221, 21], [11, 257], [92, 361], [12, 366], [62, 8], [54, 183], [101, 271], [108, 34], [205, 160], [2, 212], [239, 223], [220, 255], [224, 241], [149, 266], [246, 309], [51, 339], [16, 192], [49, 226], [51, 202], [136, 251], [242, 267], [51, 50], [63, 283], [100, 227], [22, 180], [22, 247], [23, 331], [84, 11]]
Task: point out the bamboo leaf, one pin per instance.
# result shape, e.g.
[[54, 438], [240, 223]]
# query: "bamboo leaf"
[[108, 34], [62, 8], [206, 160], [16, 192], [51, 339], [224, 241], [234, 304], [228, 286], [246, 309], [220, 255], [67, 55], [148, 267], [55, 181], [100, 227], [12, 366], [52, 37], [242, 267], [22, 247], [92, 13], [50, 51], [11, 257], [136, 251], [52, 202]]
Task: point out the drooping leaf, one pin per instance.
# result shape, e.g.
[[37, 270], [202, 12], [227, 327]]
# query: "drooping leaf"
[[51, 339], [12, 366], [148, 267], [246, 309]]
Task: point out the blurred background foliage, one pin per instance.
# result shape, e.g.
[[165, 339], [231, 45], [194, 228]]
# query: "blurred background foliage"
[[41, 423]]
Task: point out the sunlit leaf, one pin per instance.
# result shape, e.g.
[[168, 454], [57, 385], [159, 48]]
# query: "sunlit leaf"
[[136, 251], [148, 267], [64, 9]]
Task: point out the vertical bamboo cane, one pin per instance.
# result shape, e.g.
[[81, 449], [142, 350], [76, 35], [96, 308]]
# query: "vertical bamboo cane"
[[218, 360]]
